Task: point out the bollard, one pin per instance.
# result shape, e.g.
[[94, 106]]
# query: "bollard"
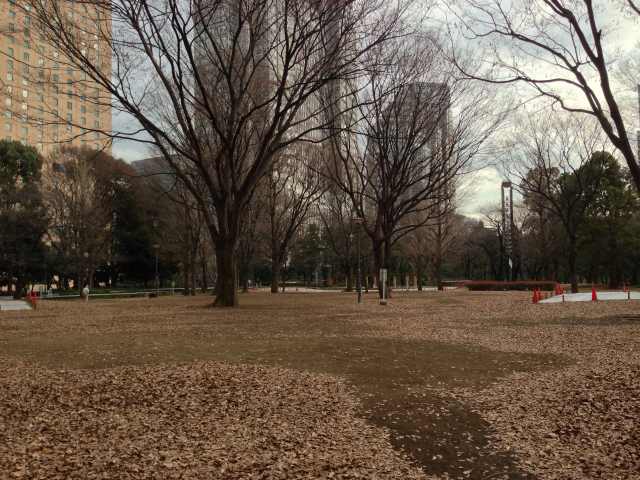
[[563, 298]]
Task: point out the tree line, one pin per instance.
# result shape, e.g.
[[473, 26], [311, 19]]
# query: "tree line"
[[357, 98]]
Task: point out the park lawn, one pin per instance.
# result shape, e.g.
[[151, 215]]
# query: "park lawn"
[[435, 385]]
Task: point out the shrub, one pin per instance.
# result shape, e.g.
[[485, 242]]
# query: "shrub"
[[494, 286]]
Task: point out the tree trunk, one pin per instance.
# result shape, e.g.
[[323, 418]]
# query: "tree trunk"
[[275, 274], [204, 271], [19, 287], [350, 278], [378, 262], [385, 264], [573, 276], [185, 274], [226, 292]]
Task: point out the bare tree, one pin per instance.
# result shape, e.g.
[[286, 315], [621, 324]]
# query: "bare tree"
[[252, 236], [340, 229], [292, 188], [561, 49], [551, 164], [219, 87], [415, 132], [79, 192]]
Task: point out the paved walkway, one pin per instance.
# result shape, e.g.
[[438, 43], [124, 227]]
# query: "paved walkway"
[[586, 297], [8, 303]]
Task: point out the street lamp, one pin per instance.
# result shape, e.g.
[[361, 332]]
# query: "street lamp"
[[156, 247], [86, 267], [358, 221]]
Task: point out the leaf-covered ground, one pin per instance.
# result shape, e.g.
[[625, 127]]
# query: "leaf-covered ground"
[[435, 385]]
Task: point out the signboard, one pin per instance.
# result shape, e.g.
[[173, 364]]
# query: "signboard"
[[383, 285]]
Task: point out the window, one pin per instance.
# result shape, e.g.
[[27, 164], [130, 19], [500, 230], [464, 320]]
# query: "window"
[[25, 93], [83, 120], [70, 105], [69, 117], [10, 51], [7, 127], [26, 56], [9, 77]]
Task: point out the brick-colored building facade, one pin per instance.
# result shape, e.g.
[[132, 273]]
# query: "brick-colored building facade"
[[46, 102]]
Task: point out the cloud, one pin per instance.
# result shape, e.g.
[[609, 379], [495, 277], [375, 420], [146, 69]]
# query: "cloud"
[[478, 190]]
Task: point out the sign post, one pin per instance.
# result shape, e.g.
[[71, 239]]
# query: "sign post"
[[383, 286]]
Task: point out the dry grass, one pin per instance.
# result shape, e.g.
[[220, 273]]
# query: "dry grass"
[[465, 385]]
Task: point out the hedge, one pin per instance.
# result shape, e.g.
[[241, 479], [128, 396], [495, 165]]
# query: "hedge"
[[493, 286]]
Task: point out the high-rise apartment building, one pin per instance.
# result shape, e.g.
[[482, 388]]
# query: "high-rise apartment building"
[[45, 101]]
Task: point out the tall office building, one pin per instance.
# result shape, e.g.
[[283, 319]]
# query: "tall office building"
[[46, 102]]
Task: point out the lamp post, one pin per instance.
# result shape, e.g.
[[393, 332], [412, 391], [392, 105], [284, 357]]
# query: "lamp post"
[[358, 221], [86, 267], [156, 247]]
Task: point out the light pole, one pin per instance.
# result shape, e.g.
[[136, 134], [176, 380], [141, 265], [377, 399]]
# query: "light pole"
[[156, 247], [358, 221], [86, 267]]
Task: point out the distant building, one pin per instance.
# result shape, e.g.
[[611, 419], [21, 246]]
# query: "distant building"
[[45, 100]]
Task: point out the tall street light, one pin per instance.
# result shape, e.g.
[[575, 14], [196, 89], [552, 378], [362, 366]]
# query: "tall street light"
[[86, 267], [156, 247]]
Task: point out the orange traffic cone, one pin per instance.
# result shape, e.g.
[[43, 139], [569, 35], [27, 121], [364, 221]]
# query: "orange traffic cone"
[[594, 295]]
